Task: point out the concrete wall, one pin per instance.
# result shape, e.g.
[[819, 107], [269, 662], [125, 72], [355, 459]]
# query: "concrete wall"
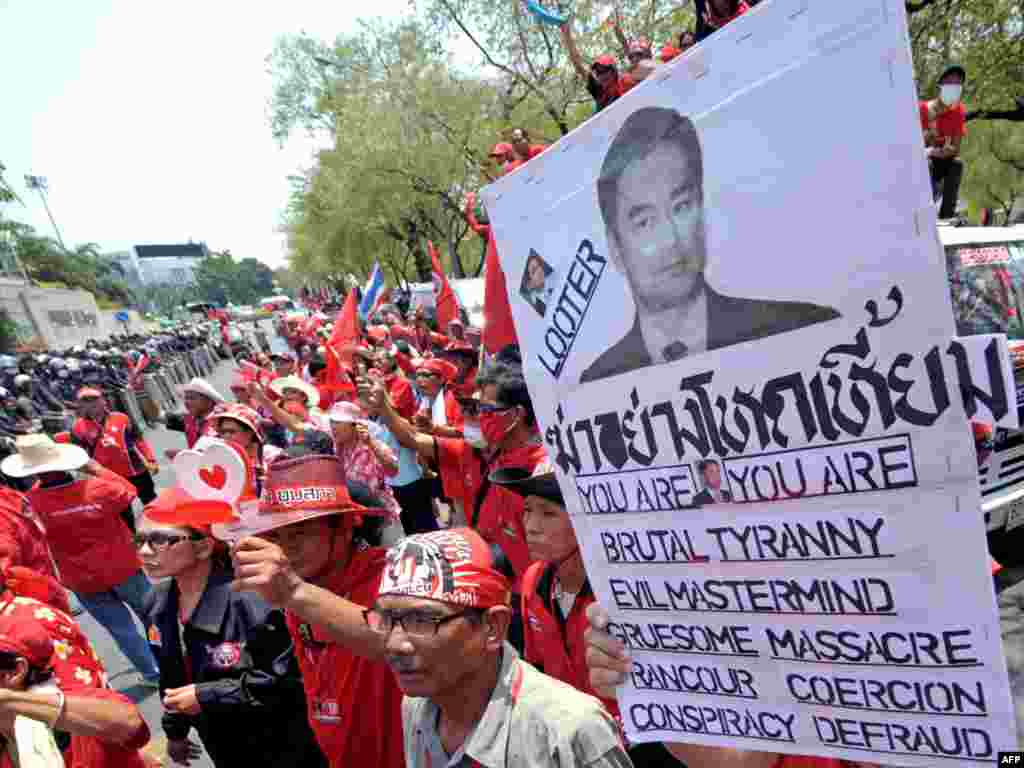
[[59, 318]]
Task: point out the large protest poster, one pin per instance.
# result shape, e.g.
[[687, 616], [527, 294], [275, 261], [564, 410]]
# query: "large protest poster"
[[738, 336]]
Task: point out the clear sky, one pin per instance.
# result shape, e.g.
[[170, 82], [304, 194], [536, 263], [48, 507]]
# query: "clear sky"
[[149, 119]]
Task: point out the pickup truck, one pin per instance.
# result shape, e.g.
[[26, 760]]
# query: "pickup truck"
[[985, 266]]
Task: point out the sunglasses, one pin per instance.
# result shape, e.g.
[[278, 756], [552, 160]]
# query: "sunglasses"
[[159, 541]]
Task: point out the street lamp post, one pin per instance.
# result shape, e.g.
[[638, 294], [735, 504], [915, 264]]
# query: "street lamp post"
[[42, 186]]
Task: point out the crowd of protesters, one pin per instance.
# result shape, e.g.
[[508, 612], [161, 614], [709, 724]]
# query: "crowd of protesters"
[[308, 641], [411, 590]]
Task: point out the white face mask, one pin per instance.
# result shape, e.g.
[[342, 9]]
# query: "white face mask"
[[472, 434], [950, 94]]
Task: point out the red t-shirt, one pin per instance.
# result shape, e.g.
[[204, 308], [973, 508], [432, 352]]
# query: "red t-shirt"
[[500, 520], [354, 704], [23, 535], [90, 542], [554, 647], [949, 124], [77, 670]]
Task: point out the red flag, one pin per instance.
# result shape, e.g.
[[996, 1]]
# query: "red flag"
[[346, 324], [499, 329], [344, 336], [445, 301]]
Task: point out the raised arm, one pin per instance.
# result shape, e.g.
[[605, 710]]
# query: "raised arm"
[[574, 53]]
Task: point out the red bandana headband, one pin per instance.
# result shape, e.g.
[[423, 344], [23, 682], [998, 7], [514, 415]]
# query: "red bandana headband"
[[453, 566]]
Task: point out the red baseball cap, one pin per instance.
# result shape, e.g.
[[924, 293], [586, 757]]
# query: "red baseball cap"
[[26, 638], [607, 60]]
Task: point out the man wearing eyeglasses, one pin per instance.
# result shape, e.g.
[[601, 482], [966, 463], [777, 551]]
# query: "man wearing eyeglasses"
[[443, 614]]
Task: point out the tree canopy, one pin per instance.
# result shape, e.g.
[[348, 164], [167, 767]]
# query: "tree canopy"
[[411, 126]]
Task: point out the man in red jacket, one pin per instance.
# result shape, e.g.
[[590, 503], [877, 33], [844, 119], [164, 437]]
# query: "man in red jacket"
[[91, 544], [314, 552]]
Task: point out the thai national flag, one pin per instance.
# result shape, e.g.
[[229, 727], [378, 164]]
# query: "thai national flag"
[[374, 289]]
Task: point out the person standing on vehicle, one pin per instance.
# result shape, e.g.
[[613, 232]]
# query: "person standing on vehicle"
[[944, 122], [90, 542], [111, 440], [227, 662]]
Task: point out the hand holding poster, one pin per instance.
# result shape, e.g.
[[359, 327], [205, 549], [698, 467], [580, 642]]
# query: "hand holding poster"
[[738, 335]]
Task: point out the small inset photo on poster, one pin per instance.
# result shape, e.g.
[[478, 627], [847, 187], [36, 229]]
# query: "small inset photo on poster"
[[715, 488], [537, 285]]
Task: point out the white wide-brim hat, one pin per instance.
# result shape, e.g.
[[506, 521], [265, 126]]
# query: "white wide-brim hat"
[[204, 388], [39, 453], [294, 382]]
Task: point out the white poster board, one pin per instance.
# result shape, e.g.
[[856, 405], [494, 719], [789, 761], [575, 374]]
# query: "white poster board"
[[760, 431]]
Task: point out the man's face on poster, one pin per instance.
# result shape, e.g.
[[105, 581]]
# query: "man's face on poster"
[[659, 228], [534, 274], [712, 476]]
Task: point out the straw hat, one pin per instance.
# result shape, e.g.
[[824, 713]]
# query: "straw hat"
[[39, 453], [294, 382]]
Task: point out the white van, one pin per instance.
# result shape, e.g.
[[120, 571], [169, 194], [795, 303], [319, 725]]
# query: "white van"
[[985, 266]]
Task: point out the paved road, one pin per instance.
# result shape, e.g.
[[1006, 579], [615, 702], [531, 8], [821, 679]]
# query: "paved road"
[[122, 673]]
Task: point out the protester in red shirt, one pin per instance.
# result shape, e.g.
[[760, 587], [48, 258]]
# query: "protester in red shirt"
[[201, 399], [522, 150], [50, 673], [602, 77], [641, 62], [438, 411], [502, 155], [112, 441], [686, 41], [464, 358], [91, 544], [23, 535], [944, 122], [313, 551]]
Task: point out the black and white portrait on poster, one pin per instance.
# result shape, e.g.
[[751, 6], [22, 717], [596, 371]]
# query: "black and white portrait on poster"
[[537, 285], [651, 193]]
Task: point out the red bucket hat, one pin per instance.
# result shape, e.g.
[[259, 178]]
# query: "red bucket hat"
[[296, 490], [243, 414]]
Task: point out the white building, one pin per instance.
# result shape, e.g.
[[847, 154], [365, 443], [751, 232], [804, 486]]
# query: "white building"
[[167, 264]]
